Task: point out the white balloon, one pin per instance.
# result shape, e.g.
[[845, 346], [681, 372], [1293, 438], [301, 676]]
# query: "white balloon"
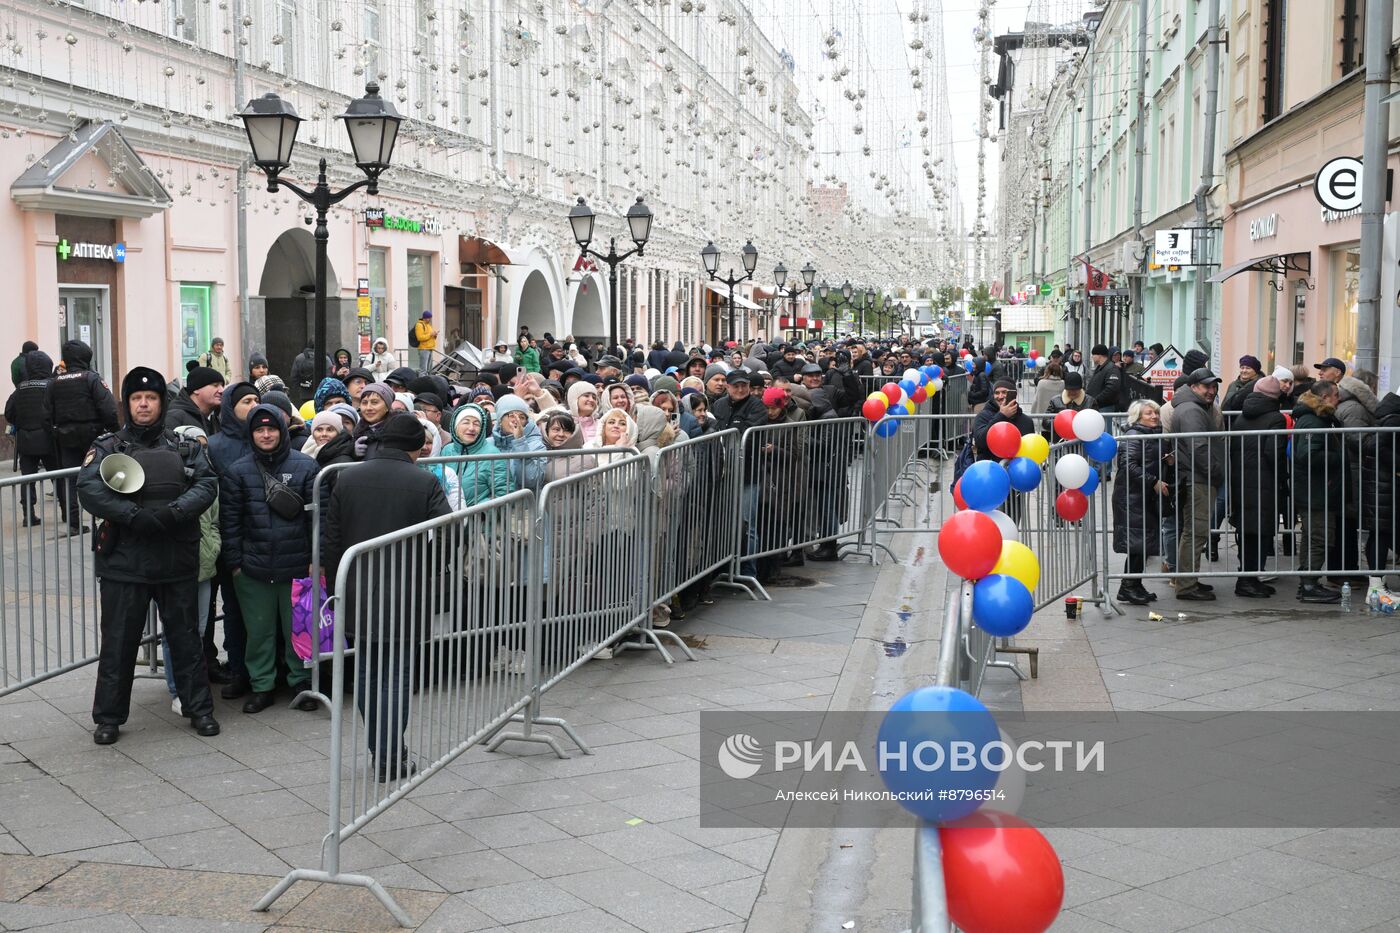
[[1072, 471], [1088, 424], [913, 376], [1009, 531], [936, 385], [1010, 788], [1041, 362]]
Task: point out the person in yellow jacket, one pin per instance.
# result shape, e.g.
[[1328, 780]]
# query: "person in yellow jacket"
[[427, 341]]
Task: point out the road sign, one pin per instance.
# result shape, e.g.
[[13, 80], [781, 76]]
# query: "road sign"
[[1045, 289], [1337, 185], [1172, 247], [1164, 371]]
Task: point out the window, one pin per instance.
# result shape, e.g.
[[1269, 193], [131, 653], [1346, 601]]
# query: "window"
[[184, 20], [1346, 293], [420, 284], [378, 292], [1275, 32], [369, 24], [196, 300], [284, 38], [1352, 29]]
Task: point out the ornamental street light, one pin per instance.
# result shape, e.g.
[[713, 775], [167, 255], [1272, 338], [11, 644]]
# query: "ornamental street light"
[[842, 297], [865, 300], [638, 225], [710, 257], [373, 126], [809, 274]]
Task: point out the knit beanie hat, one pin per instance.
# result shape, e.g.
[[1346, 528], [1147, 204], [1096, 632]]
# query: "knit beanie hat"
[[202, 376], [401, 431]]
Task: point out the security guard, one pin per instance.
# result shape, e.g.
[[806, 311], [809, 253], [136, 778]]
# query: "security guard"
[[80, 407], [148, 549]]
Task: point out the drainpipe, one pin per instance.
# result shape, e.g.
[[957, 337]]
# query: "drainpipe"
[[1373, 176], [1136, 316], [240, 93], [1085, 317], [1212, 107]]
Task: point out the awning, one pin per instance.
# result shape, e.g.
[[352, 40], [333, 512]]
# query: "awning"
[[61, 181], [1274, 264], [481, 252], [740, 300]]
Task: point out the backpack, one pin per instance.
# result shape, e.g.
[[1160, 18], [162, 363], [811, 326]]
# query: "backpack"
[[413, 334]]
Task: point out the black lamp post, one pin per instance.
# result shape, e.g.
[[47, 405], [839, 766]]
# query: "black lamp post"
[[866, 300], [710, 257], [638, 225], [844, 294], [373, 125], [809, 274]]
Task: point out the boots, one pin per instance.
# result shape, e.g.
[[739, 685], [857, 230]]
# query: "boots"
[[1133, 593], [794, 558], [32, 519], [1250, 588], [827, 551], [1214, 546]]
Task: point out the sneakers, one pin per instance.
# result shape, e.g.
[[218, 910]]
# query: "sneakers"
[[32, 519], [175, 706], [599, 654], [660, 616], [1312, 593]]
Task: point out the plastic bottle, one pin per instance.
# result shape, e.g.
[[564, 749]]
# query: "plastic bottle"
[[1346, 597]]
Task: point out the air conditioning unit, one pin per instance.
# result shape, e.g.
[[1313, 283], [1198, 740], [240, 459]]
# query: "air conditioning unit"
[[1131, 255]]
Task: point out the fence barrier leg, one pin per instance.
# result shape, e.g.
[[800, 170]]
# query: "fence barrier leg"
[[531, 718], [362, 881]]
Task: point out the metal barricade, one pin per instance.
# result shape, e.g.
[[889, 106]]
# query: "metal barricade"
[[50, 619], [430, 607]]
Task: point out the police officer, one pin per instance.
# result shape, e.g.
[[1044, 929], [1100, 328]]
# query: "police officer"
[[24, 411], [80, 407], [148, 549]]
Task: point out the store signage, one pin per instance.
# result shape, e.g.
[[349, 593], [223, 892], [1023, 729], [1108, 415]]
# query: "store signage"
[[362, 306], [112, 252], [375, 217], [1172, 247], [1164, 371], [1045, 289], [362, 288], [1262, 228], [1337, 185], [1330, 216]]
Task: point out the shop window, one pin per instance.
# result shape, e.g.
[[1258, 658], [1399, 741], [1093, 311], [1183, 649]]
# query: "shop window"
[[420, 284], [196, 300], [1345, 295]]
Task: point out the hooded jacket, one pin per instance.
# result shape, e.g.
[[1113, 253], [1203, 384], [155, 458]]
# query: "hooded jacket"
[[1357, 407], [266, 546], [653, 430], [478, 481], [526, 473], [183, 412], [1258, 465], [587, 426], [381, 361], [231, 443], [443, 473], [24, 409], [1317, 458], [561, 467], [77, 402]]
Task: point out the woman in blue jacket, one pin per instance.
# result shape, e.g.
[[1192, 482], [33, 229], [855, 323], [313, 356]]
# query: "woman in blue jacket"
[[479, 480], [516, 433], [267, 545]]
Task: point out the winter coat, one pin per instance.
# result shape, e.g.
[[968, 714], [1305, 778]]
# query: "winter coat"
[[658, 359], [426, 334], [77, 402], [1046, 391], [654, 430], [1258, 466], [386, 493], [1199, 460], [525, 472], [444, 473], [24, 409], [183, 412], [1105, 387], [749, 413], [1235, 394], [1380, 465], [217, 362], [1317, 458], [787, 369], [990, 415], [231, 443], [382, 362], [478, 480], [304, 373], [560, 467], [210, 542], [527, 359], [268, 547], [1137, 506]]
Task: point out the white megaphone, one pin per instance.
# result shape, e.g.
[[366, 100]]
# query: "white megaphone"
[[122, 474]]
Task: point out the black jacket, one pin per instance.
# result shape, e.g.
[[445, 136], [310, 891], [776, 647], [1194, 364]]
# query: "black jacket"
[[77, 403], [1380, 463], [24, 409], [784, 369], [167, 557], [990, 415], [1137, 506], [183, 412], [1317, 458], [386, 493], [1105, 387], [230, 444], [1258, 466], [749, 413], [844, 389], [268, 547]]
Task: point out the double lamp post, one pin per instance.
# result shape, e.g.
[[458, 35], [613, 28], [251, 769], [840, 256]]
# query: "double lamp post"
[[780, 274], [638, 225], [710, 257]]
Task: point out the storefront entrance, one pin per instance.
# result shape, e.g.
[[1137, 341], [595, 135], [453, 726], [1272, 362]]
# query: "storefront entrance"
[[83, 315]]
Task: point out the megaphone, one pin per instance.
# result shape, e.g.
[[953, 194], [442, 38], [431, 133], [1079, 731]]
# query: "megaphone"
[[122, 474]]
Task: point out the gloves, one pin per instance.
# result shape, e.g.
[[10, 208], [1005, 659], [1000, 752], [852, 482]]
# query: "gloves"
[[145, 523]]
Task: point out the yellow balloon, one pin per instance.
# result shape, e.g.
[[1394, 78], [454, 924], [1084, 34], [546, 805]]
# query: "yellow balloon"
[[1019, 561], [910, 407], [880, 397], [307, 411], [1034, 446]]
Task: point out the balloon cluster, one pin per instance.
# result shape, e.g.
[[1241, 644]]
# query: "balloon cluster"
[[1035, 361], [1073, 471], [900, 399]]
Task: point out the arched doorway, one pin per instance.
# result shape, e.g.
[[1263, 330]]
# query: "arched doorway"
[[590, 318], [536, 310], [288, 290]]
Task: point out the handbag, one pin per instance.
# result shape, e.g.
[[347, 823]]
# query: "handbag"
[[303, 626], [281, 499]]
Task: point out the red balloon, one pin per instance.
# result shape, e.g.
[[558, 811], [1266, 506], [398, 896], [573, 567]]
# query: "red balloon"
[[1001, 874], [892, 391], [1035, 354], [1064, 425], [873, 410], [964, 352], [958, 500], [1288, 420], [1072, 505], [1004, 439], [920, 395], [970, 544]]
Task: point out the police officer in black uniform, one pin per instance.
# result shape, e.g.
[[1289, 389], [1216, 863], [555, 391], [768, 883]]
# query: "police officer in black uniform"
[[80, 407], [148, 549], [24, 411]]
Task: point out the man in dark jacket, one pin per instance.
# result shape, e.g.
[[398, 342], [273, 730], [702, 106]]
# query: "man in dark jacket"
[[148, 550], [1258, 482], [24, 411], [1071, 398], [739, 408], [231, 443], [1200, 471], [1317, 484], [17, 364], [267, 545], [305, 374], [1379, 466], [1002, 406], [80, 407], [1105, 385], [197, 405], [225, 449], [386, 494], [789, 365], [860, 360]]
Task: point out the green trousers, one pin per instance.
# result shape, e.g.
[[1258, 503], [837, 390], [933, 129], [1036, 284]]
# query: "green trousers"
[[267, 614]]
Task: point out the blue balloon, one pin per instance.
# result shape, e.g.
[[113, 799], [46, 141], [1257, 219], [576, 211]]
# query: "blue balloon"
[[967, 365], [937, 715], [928, 371], [987, 368], [923, 378], [1030, 363], [887, 427], [985, 485], [1001, 605], [937, 371], [1092, 482], [908, 386], [1102, 448], [1024, 473]]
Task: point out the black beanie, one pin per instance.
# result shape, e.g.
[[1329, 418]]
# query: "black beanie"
[[402, 431], [202, 376], [238, 392]]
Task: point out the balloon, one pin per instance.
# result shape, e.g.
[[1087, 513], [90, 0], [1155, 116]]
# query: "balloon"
[[908, 386], [1288, 420], [968, 365], [1005, 524], [1102, 448], [964, 352], [1064, 424], [1090, 484], [888, 427], [880, 397], [938, 715], [1024, 473], [920, 396], [936, 384], [1030, 363], [987, 368], [1001, 875], [1019, 562], [1071, 505], [958, 500], [873, 410], [1088, 424], [1072, 471], [909, 406], [1034, 447], [892, 391], [937, 371], [985, 485], [912, 375], [1004, 439], [970, 544], [1041, 363], [1034, 354], [1001, 605]]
